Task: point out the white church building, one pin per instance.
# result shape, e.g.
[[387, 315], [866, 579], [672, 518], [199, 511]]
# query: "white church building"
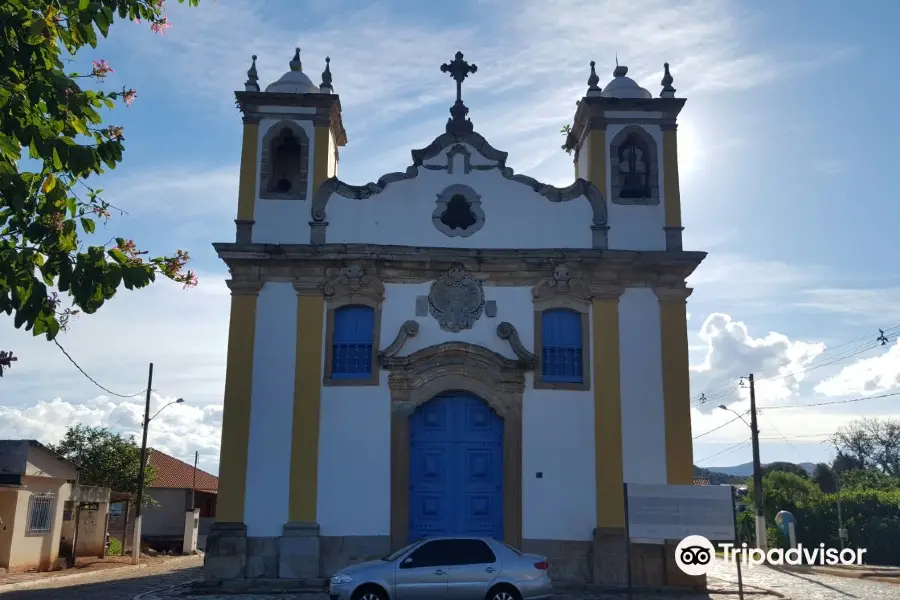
[[454, 348]]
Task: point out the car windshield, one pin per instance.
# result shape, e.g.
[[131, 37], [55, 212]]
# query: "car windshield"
[[398, 553]]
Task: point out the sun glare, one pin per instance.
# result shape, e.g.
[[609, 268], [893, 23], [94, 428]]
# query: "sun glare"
[[688, 149]]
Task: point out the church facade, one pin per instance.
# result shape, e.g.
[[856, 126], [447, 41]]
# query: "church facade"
[[455, 348]]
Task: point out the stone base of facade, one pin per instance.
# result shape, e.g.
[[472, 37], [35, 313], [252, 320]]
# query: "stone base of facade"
[[306, 558], [299, 554]]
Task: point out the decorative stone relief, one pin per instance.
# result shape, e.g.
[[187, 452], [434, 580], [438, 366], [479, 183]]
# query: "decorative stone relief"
[[456, 299], [507, 331], [458, 212], [353, 285], [409, 329], [561, 285]]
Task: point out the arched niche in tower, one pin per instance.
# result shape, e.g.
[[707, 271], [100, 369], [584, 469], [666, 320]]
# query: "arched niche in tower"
[[634, 167], [284, 163]]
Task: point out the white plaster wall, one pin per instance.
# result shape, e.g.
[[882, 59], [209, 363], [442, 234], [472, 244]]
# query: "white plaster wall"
[[636, 227], [283, 221], [271, 411], [558, 442], [354, 436], [643, 417], [515, 215]]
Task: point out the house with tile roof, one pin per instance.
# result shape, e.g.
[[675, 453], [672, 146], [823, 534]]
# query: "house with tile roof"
[[176, 488]]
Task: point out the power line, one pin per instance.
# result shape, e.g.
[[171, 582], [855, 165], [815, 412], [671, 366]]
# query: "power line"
[[719, 427], [781, 434], [833, 401], [91, 379], [730, 448]]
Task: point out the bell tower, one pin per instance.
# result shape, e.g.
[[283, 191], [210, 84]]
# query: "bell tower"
[[292, 132], [624, 141]]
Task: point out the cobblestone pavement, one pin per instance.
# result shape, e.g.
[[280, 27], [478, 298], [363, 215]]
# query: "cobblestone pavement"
[[111, 584], [760, 583]]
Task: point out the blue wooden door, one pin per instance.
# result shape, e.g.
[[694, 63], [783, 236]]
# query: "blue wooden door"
[[456, 468]]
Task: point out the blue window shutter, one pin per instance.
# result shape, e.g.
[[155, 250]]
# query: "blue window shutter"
[[561, 351], [354, 330]]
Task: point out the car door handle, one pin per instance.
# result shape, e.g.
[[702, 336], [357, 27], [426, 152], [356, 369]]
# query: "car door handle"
[[440, 572], [489, 569]]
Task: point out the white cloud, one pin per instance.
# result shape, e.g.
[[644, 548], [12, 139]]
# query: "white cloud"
[[866, 376], [776, 361], [179, 430], [878, 305]]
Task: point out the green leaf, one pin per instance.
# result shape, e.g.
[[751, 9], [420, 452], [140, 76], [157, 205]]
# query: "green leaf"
[[118, 256], [35, 33], [57, 161], [8, 147], [87, 224], [4, 96]]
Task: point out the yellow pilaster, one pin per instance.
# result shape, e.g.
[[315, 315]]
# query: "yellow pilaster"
[[321, 158], [607, 409], [249, 165], [596, 146], [239, 362], [236, 412], [676, 384], [307, 399], [671, 185]]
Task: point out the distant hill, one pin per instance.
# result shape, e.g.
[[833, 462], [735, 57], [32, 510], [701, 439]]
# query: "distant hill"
[[746, 470], [717, 478]]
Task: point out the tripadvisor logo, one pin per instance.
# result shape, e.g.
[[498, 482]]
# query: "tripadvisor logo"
[[695, 555]]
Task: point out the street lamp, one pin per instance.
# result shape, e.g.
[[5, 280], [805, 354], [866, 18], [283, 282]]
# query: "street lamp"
[[136, 543], [761, 541]]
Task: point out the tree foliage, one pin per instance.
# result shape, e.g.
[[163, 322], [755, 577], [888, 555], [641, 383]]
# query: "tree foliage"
[[824, 477], [53, 143], [786, 467], [784, 491], [870, 443], [106, 459], [867, 479]]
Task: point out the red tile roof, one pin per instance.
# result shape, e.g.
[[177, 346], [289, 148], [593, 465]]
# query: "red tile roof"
[[173, 473]]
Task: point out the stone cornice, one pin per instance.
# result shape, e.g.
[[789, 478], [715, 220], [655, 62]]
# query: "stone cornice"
[[673, 294], [500, 267]]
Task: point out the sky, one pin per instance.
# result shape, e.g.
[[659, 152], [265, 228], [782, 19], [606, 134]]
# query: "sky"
[[784, 172]]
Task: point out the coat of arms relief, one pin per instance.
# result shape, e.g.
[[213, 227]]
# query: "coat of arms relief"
[[456, 299]]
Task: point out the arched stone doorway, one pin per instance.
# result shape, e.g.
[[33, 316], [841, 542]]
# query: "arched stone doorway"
[[455, 468], [466, 368]]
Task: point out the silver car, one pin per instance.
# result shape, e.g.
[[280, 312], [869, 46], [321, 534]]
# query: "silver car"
[[447, 568]]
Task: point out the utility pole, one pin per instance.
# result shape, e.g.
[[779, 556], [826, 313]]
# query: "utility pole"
[[136, 544], [194, 482], [761, 541]]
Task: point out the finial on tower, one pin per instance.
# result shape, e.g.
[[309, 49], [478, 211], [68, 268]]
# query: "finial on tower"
[[459, 69], [668, 91], [593, 80], [326, 86], [295, 63], [252, 83]]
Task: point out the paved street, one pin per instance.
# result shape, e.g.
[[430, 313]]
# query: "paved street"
[[758, 581], [110, 584]]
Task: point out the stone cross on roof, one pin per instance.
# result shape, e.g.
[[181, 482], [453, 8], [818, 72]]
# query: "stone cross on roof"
[[459, 69]]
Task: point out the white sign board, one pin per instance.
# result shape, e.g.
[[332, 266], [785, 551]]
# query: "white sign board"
[[673, 512]]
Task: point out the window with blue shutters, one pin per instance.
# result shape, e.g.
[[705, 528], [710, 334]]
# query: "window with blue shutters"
[[354, 329], [561, 351]]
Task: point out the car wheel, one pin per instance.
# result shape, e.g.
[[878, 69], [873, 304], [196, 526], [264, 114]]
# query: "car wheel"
[[369, 593], [504, 592]]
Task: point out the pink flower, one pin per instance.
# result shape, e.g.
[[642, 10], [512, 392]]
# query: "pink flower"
[[160, 26], [101, 69], [129, 97]]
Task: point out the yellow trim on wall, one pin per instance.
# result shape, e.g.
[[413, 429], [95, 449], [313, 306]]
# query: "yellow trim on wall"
[[607, 413], [671, 185], [676, 391], [249, 167], [321, 158], [307, 399], [236, 412], [596, 168]]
